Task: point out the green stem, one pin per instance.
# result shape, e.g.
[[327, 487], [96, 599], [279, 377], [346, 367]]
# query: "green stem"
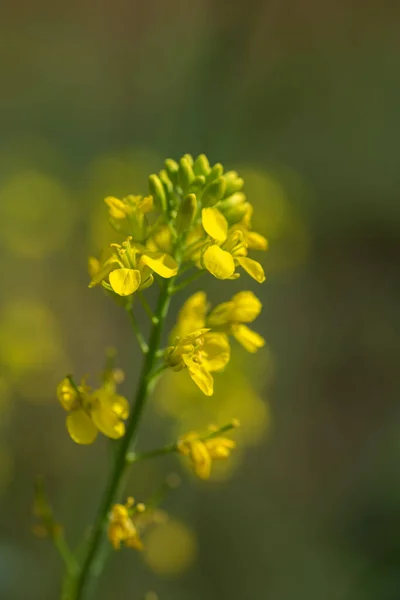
[[133, 457], [95, 541], [139, 336], [188, 280]]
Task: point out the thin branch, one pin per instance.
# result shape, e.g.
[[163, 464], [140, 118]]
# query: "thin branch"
[[139, 336], [147, 308], [186, 282], [133, 457]]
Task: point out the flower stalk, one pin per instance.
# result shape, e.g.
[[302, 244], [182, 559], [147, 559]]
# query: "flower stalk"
[[98, 532]]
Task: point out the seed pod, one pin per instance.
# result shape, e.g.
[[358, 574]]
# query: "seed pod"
[[158, 192], [213, 192]]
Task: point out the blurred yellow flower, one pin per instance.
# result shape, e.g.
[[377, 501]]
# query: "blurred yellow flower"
[[171, 548], [202, 452], [227, 248], [229, 317], [36, 214], [91, 411], [201, 352], [121, 528]]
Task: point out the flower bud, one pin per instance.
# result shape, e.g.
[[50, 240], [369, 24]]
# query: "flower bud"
[[186, 174], [186, 213], [197, 183], [201, 165], [232, 201], [213, 192], [167, 183], [215, 172], [234, 214], [172, 169], [233, 182], [189, 158], [158, 192]]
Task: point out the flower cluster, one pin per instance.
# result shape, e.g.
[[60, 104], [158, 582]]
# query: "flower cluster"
[[123, 526], [91, 411], [195, 216], [202, 450], [200, 339]]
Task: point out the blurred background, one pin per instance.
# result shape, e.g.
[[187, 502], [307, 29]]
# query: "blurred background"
[[301, 97]]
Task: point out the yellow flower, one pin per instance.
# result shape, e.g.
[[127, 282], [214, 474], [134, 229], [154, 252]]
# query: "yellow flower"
[[202, 452], [120, 209], [131, 267], [129, 214], [121, 528], [192, 315], [229, 317], [91, 411], [201, 352], [227, 249]]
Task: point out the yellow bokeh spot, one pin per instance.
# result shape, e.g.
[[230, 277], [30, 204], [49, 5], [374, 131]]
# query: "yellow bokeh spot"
[[277, 216], [36, 214], [29, 337], [119, 175], [6, 468], [170, 548]]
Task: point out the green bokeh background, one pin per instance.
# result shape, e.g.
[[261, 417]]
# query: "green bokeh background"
[[302, 98]]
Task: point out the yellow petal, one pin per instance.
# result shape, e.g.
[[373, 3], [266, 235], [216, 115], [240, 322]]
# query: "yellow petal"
[[117, 208], [220, 447], [221, 315], [66, 394], [246, 307], [80, 427], [217, 351], [250, 340], [202, 378], [256, 241], [101, 271], [201, 459], [192, 315], [218, 262], [93, 266], [252, 267], [125, 281], [161, 263], [146, 204], [107, 421], [214, 224]]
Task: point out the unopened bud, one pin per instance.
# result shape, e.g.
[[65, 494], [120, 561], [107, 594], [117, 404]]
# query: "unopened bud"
[[186, 213], [198, 183], [233, 182], [189, 158], [201, 165], [172, 169], [166, 181], [234, 214], [215, 172], [158, 192], [186, 175], [213, 192]]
